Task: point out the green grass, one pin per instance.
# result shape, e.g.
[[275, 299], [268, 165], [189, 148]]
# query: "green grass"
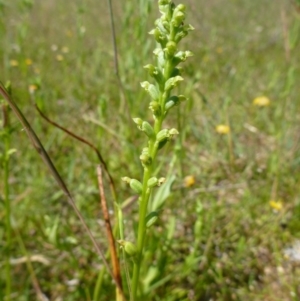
[[236, 249]]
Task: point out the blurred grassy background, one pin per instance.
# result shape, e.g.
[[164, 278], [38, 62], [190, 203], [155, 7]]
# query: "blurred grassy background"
[[246, 191]]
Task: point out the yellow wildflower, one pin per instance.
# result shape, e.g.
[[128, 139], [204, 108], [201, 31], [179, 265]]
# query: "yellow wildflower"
[[276, 205], [219, 50], [261, 101], [32, 88], [65, 49], [59, 57], [189, 181], [28, 62], [222, 129], [14, 63]]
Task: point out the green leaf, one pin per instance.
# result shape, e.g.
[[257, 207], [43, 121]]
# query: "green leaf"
[[151, 218]]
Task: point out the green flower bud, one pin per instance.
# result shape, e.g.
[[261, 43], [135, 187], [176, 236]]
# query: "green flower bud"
[[183, 33], [162, 138], [145, 150], [178, 18], [161, 181], [151, 218], [163, 6], [183, 55], [159, 25], [173, 132], [156, 33], [158, 52], [129, 247], [138, 121], [145, 157], [159, 36], [155, 73], [126, 180], [152, 182], [180, 35], [155, 107], [173, 101], [148, 129], [166, 25], [151, 89], [171, 48], [181, 7], [136, 186], [172, 82], [162, 135], [170, 104], [151, 69]]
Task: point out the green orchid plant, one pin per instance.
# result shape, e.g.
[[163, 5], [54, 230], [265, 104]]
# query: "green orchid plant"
[[168, 32]]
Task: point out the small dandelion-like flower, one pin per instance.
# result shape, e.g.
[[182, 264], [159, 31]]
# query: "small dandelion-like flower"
[[14, 63], [222, 129], [59, 58], [32, 88], [261, 101], [28, 62], [65, 49], [276, 205], [189, 181]]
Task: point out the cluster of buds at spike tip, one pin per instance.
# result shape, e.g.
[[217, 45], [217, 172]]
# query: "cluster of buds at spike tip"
[[135, 185], [169, 30]]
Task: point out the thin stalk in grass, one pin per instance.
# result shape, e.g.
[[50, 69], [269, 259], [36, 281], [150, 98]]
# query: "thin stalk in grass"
[[110, 236], [34, 279], [116, 61], [7, 200], [169, 30], [85, 141]]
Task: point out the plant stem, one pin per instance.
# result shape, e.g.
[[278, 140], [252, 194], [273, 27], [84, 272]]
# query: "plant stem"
[[144, 201]]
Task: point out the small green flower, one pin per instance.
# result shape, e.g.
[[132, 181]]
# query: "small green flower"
[[129, 247]]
